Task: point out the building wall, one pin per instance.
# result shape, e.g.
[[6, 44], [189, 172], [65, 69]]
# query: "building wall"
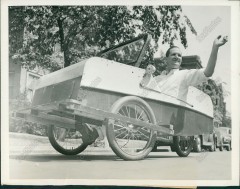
[[20, 80], [14, 79]]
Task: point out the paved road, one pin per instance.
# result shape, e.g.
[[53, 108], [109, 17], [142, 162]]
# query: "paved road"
[[36, 159]]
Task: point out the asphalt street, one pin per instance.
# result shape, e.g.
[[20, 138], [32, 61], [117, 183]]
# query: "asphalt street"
[[33, 157]]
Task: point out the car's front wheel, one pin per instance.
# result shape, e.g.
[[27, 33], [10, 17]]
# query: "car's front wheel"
[[127, 140], [221, 146]]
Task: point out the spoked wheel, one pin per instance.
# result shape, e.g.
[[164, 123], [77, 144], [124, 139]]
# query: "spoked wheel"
[[66, 141], [183, 145], [128, 141]]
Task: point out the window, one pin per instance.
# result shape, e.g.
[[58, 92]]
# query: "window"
[[126, 54]]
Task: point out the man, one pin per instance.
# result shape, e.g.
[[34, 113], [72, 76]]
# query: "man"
[[175, 82], [172, 81]]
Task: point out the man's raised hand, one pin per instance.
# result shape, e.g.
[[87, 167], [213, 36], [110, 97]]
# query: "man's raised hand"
[[221, 40]]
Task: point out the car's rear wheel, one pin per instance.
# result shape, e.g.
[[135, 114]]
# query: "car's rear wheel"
[[183, 145], [228, 147], [66, 141], [212, 148], [197, 147], [129, 141]]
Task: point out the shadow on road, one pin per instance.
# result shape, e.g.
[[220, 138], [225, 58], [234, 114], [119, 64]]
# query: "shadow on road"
[[161, 156], [56, 157]]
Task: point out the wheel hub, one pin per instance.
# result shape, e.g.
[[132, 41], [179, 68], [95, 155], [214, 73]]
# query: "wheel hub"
[[131, 128]]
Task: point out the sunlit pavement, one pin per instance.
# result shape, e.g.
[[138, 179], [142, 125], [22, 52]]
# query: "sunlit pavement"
[[32, 157]]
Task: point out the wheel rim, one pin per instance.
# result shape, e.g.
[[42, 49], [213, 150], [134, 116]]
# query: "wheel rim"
[[132, 139], [67, 139]]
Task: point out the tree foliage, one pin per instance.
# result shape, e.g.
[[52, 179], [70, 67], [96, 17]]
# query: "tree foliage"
[[16, 28], [227, 121], [217, 93], [82, 31]]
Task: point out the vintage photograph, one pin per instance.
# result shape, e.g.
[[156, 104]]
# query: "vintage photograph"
[[120, 94]]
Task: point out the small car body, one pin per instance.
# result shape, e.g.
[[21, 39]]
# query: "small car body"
[[224, 138], [106, 92]]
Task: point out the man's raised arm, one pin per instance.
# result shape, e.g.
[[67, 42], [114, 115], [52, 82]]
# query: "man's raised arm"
[[213, 56]]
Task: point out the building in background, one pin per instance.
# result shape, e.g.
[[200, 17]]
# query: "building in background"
[[20, 79]]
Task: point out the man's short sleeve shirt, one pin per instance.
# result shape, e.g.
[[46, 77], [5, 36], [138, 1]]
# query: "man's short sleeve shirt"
[[176, 82]]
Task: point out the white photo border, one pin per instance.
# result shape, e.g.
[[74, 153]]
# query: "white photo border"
[[235, 73]]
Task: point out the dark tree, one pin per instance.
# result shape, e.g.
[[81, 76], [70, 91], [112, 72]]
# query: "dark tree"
[[82, 31]]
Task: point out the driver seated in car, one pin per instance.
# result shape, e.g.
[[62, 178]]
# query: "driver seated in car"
[[175, 82], [171, 81]]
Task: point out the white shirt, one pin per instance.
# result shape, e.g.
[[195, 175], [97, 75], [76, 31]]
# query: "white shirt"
[[176, 82]]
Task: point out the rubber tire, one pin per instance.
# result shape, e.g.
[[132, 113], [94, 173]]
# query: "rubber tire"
[[155, 148], [110, 132], [221, 147], [59, 148], [176, 140], [172, 148], [228, 147], [213, 147], [197, 147]]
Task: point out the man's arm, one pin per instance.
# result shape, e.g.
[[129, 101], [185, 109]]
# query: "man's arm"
[[213, 56]]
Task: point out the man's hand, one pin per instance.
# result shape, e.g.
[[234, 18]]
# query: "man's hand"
[[150, 69], [221, 40], [147, 75]]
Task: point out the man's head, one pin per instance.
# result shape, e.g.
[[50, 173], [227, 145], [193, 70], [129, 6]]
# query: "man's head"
[[173, 57]]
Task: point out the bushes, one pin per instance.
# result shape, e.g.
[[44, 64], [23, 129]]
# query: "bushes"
[[20, 125]]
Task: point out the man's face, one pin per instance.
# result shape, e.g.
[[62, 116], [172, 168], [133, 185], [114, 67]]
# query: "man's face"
[[174, 59]]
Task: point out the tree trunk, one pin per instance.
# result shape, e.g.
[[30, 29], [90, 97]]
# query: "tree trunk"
[[66, 58], [62, 41]]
